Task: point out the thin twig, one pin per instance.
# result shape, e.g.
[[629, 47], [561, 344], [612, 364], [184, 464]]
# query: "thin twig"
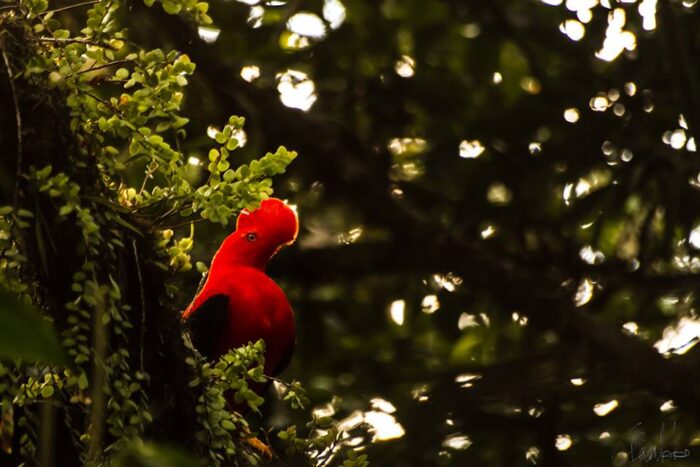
[[169, 212], [143, 303], [277, 380], [101, 80], [149, 174], [106, 65], [70, 7], [74, 40], [77, 40], [193, 221], [107, 103], [18, 119]]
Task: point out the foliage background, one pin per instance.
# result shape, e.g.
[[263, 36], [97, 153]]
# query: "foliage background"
[[557, 251]]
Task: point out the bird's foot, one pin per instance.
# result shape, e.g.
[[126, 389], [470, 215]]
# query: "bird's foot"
[[262, 448]]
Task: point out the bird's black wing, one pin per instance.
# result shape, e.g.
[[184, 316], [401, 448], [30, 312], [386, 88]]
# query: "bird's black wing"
[[207, 323]]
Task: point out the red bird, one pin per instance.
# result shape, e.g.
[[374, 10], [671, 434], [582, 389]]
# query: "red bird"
[[239, 303]]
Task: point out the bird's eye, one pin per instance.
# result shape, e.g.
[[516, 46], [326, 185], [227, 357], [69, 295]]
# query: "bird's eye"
[[251, 237]]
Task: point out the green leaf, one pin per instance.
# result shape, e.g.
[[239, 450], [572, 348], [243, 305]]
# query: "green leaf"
[[61, 34], [55, 77], [232, 144], [201, 267], [162, 126], [44, 173], [229, 175], [139, 454], [171, 7], [179, 122], [47, 391], [228, 425], [25, 335]]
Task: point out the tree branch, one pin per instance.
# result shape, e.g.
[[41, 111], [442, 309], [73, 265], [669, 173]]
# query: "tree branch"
[[18, 118], [137, 261], [70, 7]]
